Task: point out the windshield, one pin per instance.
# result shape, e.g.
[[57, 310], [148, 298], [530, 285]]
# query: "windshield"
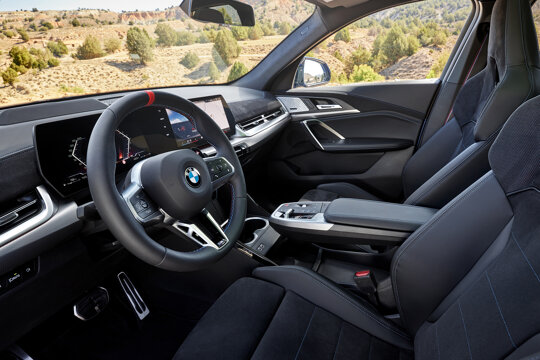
[[62, 48]]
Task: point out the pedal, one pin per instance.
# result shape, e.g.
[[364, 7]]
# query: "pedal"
[[92, 304], [136, 301]]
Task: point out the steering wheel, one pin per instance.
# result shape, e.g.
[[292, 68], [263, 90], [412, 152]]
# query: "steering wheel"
[[169, 190]]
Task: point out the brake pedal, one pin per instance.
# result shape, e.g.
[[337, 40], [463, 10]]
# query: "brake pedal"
[[137, 303], [92, 304]]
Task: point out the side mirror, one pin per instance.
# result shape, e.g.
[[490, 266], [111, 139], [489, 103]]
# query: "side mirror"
[[311, 72], [229, 12]]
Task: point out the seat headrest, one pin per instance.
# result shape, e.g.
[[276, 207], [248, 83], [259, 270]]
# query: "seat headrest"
[[512, 36], [515, 154]]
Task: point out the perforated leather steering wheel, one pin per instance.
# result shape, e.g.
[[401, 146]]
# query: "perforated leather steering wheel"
[[169, 190]]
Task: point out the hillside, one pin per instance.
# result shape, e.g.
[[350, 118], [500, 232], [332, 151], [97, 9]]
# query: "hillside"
[[410, 42]]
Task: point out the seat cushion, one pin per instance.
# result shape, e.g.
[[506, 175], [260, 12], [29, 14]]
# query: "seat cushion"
[[333, 191], [255, 319]]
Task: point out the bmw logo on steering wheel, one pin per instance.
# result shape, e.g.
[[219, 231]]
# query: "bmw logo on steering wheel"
[[193, 176]]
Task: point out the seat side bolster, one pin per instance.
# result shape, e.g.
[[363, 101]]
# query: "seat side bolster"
[[324, 294], [454, 177]]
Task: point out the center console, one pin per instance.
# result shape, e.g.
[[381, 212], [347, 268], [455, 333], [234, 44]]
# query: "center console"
[[349, 221]]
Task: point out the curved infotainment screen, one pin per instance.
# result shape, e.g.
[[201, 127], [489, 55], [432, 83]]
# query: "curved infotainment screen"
[[184, 131], [62, 145]]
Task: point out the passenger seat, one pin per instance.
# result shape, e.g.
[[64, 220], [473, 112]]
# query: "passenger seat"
[[456, 156]]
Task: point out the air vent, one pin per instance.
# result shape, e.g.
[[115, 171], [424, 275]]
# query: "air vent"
[[17, 211], [260, 120]]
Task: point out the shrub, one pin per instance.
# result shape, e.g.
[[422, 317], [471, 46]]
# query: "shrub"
[[364, 73], [412, 45], [21, 56], [185, 38], [90, 49], [58, 48], [438, 67], [237, 71], [284, 28], [213, 72], [226, 46], [359, 57], [166, 35], [112, 45], [395, 45], [8, 33], [343, 35], [47, 25], [203, 39], [338, 56], [9, 76], [23, 34], [53, 62], [255, 32], [138, 42], [268, 30], [18, 68], [75, 22], [240, 32], [190, 60]]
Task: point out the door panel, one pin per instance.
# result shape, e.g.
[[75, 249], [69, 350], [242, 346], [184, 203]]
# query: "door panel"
[[360, 134]]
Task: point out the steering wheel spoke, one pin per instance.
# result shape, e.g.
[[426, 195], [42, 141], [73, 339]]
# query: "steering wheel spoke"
[[203, 230], [220, 170]]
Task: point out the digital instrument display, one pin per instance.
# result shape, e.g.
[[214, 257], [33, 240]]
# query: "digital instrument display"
[[62, 145]]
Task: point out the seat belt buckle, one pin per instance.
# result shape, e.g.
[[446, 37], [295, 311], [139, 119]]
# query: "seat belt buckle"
[[366, 285]]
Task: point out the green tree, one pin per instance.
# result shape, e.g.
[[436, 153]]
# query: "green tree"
[[343, 35], [255, 32], [284, 28], [237, 71], [363, 73], [268, 30], [112, 45], [166, 35], [359, 57], [75, 22], [58, 48], [47, 24], [90, 49], [9, 76], [21, 57], [213, 72], [395, 45], [438, 66], [240, 32], [190, 60], [185, 38], [139, 42], [226, 46], [23, 34], [412, 45]]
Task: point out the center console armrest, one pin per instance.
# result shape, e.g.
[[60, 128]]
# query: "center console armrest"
[[349, 221], [377, 214]]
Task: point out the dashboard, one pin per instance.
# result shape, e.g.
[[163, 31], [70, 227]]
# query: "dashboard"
[[61, 146]]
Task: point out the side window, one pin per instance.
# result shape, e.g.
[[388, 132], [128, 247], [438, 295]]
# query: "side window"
[[408, 42]]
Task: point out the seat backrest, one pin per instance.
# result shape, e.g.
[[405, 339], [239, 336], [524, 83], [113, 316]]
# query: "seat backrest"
[[467, 283], [485, 102]]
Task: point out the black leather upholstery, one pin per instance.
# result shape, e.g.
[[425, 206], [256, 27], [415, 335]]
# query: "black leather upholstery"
[[466, 283], [456, 156]]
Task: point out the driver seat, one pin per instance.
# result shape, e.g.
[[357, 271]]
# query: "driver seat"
[[466, 283]]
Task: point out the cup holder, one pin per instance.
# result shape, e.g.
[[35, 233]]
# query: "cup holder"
[[252, 228]]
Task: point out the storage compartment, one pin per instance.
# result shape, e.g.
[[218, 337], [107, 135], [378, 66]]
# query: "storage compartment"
[[349, 221]]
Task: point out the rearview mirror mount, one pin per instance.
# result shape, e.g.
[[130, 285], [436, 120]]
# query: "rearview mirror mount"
[[227, 12]]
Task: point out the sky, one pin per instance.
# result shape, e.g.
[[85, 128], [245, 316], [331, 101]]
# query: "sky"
[[115, 5]]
